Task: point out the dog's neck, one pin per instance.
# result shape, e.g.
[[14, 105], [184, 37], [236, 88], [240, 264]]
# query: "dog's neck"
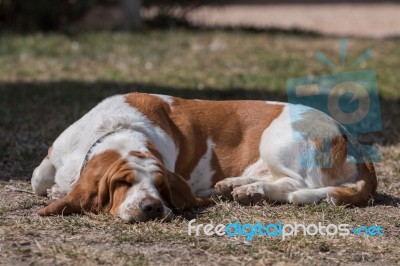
[[123, 141]]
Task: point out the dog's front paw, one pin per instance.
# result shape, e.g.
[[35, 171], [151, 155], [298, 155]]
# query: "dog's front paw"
[[248, 194], [224, 189], [226, 186]]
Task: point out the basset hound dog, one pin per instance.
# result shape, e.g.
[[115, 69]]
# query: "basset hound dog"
[[139, 156]]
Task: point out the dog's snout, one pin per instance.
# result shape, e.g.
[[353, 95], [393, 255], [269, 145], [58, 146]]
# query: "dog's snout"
[[152, 208]]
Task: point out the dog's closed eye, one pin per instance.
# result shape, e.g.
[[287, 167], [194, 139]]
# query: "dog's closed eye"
[[158, 180], [123, 182]]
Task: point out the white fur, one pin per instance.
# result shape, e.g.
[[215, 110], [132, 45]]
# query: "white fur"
[[143, 187], [43, 177], [302, 196], [112, 114], [275, 103], [200, 178], [282, 154], [257, 169], [166, 98]]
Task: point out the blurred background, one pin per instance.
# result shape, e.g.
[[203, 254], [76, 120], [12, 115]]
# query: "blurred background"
[[60, 58], [362, 18]]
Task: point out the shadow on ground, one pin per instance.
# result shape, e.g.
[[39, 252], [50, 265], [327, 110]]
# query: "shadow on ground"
[[167, 21], [384, 199], [32, 115]]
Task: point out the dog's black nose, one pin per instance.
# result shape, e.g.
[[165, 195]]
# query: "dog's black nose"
[[152, 208]]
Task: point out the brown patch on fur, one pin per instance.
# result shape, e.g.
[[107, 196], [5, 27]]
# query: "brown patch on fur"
[[140, 155], [101, 186], [340, 171], [154, 108], [153, 151], [359, 191], [49, 152], [173, 187], [114, 185], [234, 126]]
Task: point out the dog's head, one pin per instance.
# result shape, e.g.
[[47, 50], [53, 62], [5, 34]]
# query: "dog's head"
[[134, 187]]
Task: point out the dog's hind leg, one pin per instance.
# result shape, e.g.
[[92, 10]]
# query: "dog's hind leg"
[[278, 190], [256, 172]]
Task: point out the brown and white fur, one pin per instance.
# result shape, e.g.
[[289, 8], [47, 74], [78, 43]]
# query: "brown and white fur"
[[138, 156]]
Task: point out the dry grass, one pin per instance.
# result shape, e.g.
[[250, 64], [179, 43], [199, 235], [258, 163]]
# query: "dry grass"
[[101, 239], [47, 82]]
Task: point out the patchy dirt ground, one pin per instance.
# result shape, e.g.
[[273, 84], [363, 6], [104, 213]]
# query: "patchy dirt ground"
[[26, 238]]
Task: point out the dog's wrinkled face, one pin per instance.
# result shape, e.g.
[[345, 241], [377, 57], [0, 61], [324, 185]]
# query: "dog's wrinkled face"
[[137, 191], [135, 187]]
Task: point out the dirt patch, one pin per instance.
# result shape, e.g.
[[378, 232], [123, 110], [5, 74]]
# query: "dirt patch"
[[91, 239]]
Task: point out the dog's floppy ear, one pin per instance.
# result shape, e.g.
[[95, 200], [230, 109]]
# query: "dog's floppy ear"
[[91, 192], [77, 201], [178, 194]]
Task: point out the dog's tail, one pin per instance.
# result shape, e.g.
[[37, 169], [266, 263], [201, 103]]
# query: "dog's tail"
[[357, 193], [361, 191]]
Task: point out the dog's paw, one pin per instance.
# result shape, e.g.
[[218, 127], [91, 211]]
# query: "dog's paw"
[[226, 186], [248, 194], [224, 189]]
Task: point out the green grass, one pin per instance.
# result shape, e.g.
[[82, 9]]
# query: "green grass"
[[184, 59], [49, 81]]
